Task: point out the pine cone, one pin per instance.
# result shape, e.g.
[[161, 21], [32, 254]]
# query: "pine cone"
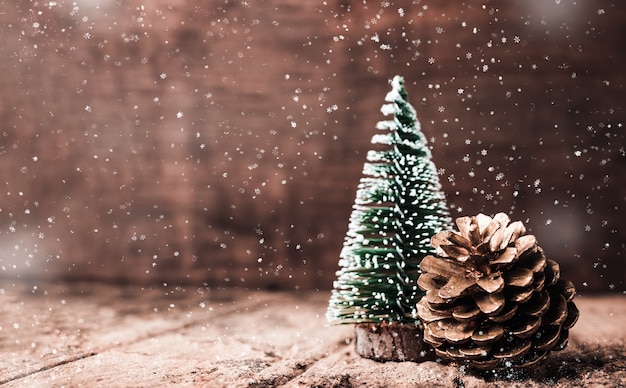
[[492, 299]]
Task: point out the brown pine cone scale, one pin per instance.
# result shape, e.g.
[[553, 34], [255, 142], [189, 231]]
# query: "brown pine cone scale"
[[493, 300]]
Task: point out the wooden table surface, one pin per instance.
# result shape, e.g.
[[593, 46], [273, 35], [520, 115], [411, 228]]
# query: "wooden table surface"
[[84, 334]]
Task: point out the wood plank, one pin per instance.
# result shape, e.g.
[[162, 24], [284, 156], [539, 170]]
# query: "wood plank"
[[86, 334], [47, 326]]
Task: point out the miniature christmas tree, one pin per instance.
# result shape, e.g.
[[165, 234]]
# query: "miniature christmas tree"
[[399, 205]]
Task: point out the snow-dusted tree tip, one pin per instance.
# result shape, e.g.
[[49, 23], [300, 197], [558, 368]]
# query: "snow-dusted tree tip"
[[399, 205]]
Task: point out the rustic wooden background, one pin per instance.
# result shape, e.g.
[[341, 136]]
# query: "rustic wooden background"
[[222, 141]]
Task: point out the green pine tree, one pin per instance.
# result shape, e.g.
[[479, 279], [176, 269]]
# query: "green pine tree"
[[399, 205]]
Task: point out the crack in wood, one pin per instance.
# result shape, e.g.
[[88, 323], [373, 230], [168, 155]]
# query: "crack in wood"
[[295, 370], [48, 367]]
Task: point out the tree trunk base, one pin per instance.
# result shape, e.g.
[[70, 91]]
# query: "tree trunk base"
[[392, 342]]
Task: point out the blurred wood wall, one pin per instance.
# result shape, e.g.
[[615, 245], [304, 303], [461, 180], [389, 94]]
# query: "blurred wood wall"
[[222, 141]]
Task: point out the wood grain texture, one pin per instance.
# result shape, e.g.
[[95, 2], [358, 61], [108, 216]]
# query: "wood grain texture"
[[391, 342], [84, 334]]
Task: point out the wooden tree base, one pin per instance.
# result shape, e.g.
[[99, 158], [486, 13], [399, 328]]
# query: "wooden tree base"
[[392, 342]]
